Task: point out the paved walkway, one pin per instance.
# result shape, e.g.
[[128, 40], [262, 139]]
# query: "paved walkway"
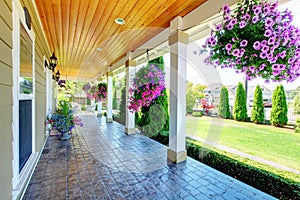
[[101, 162]]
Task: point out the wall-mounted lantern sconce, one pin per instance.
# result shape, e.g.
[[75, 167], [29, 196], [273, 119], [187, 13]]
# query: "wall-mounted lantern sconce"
[[46, 64], [53, 62], [56, 76]]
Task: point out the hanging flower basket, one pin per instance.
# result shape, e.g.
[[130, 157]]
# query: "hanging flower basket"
[[97, 92], [147, 85], [258, 40]]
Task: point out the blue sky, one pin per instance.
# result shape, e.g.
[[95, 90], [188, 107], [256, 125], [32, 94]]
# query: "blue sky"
[[199, 72]]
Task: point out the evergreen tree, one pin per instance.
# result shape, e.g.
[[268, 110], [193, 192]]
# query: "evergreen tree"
[[240, 104], [279, 108], [258, 115], [115, 100], [155, 118], [223, 109], [122, 107], [296, 104]]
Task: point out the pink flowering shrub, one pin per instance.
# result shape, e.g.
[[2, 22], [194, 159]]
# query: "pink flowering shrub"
[[146, 87], [97, 92], [258, 40]]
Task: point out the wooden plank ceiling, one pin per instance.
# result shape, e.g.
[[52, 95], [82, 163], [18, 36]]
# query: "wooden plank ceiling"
[[76, 28]]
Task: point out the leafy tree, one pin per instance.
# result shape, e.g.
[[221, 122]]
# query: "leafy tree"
[[258, 115], [279, 107], [240, 106], [191, 97], [198, 89], [122, 107], [223, 109], [155, 118], [296, 104]]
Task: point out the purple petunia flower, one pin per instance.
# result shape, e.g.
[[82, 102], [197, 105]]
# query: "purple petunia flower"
[[244, 43], [218, 27], [269, 22], [228, 47], [255, 19], [271, 40], [229, 26], [262, 66], [256, 45], [263, 55], [235, 52], [252, 68], [264, 42], [265, 48], [234, 21], [268, 33], [275, 66], [242, 24], [256, 9]]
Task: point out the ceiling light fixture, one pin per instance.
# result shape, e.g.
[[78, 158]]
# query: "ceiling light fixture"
[[120, 21]]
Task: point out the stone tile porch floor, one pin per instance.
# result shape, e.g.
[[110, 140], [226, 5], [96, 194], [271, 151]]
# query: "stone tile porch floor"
[[101, 162]]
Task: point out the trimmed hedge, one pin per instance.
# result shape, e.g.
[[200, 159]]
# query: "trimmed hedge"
[[265, 181]]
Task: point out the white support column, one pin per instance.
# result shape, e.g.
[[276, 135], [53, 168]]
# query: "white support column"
[[99, 109], [178, 47], [130, 73], [109, 99]]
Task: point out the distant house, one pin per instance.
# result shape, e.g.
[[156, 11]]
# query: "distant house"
[[212, 93]]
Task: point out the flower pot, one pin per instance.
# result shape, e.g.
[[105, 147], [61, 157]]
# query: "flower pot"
[[64, 136]]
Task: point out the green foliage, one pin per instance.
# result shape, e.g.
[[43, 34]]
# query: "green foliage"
[[191, 97], [197, 114], [296, 104], [223, 109], [240, 104], [265, 181], [279, 107], [122, 107], [258, 115], [297, 130], [115, 100], [154, 119]]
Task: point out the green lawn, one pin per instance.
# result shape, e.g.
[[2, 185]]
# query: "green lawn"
[[279, 145]]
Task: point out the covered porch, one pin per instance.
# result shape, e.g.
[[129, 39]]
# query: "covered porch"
[[101, 162]]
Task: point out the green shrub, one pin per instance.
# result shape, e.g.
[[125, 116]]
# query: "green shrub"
[[258, 114], [162, 137], [240, 104], [265, 181], [223, 108], [297, 130], [279, 108], [197, 114], [83, 107]]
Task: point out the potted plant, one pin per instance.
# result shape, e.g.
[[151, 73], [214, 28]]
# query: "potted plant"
[[256, 39], [63, 120]]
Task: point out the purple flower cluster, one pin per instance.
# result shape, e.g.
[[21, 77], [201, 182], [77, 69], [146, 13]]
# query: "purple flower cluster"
[[146, 87], [257, 40], [97, 92]]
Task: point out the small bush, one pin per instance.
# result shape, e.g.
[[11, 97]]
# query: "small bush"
[[197, 114], [83, 107]]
